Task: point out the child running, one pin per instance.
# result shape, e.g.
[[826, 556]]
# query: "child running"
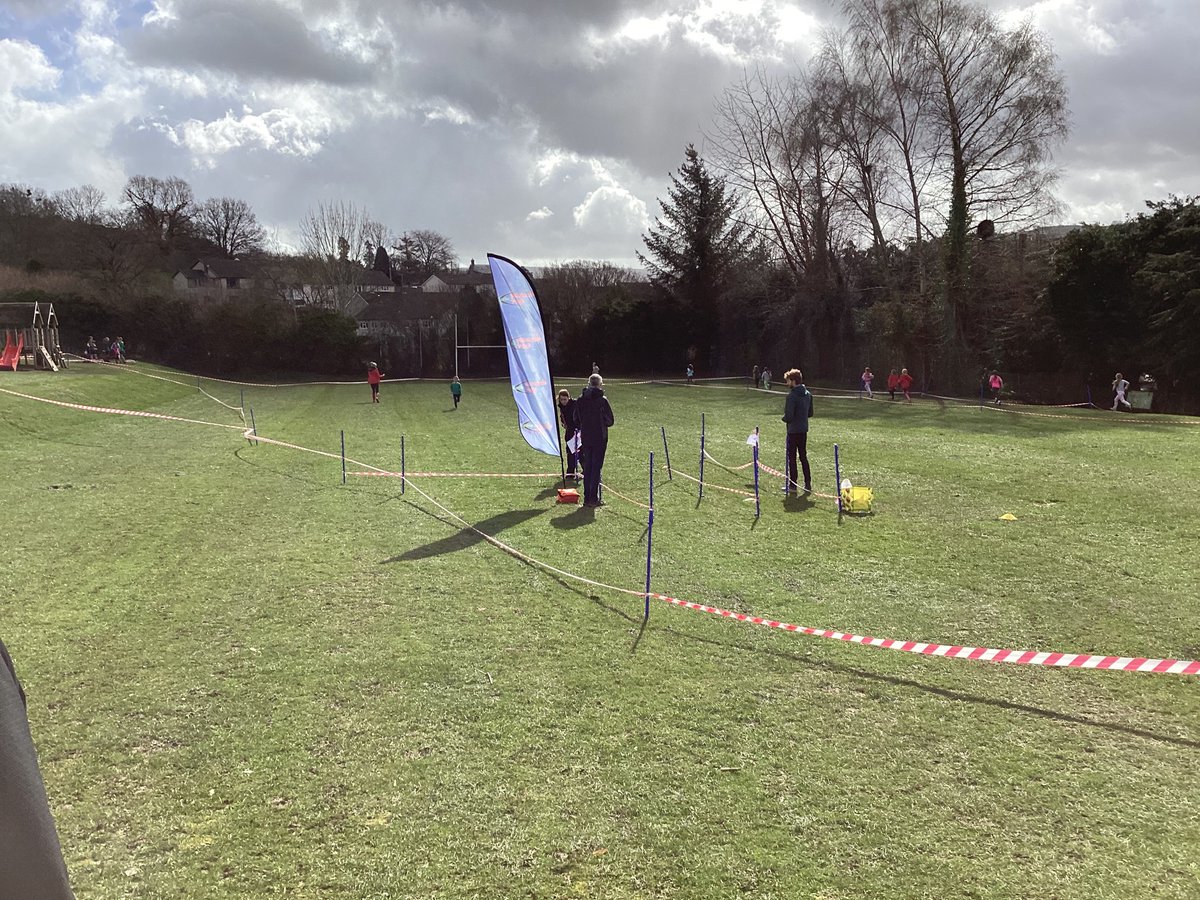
[[374, 376], [456, 391]]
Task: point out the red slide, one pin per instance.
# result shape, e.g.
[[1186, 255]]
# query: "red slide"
[[12, 352]]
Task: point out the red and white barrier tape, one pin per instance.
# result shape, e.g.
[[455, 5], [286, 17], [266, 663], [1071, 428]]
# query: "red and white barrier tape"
[[953, 651], [609, 490], [555, 475], [949, 651], [119, 412]]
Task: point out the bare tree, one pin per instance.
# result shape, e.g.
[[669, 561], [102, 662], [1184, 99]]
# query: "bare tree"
[[1000, 101], [118, 255], [375, 236], [84, 204], [772, 142], [231, 225], [422, 252], [333, 239], [162, 208]]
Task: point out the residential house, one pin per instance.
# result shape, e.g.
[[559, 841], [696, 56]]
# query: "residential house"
[[216, 277], [477, 278]]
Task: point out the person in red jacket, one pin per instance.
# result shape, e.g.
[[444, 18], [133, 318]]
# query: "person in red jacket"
[[374, 376], [904, 382], [893, 380]]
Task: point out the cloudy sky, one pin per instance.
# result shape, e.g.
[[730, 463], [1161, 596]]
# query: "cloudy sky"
[[541, 129]]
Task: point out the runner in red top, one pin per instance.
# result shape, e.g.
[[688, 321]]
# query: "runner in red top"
[[893, 380], [904, 382], [374, 376]]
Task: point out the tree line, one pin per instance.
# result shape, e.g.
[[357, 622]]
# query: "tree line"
[[878, 207]]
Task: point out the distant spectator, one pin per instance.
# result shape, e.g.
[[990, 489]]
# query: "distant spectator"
[[595, 368], [90, 351], [690, 372], [374, 376], [121, 357], [754, 377]]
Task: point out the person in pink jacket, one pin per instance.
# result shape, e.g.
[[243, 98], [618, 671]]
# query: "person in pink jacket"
[[374, 376]]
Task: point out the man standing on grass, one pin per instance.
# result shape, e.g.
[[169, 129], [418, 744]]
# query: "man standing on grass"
[[797, 410], [593, 416]]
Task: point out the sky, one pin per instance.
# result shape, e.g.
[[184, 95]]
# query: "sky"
[[543, 130]]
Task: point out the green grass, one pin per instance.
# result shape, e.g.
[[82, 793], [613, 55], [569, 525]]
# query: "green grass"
[[248, 680]]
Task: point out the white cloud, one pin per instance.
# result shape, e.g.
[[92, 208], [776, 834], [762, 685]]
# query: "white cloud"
[[610, 209], [538, 214], [23, 66], [278, 130]]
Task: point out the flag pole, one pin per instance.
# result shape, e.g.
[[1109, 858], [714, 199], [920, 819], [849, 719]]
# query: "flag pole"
[[757, 505], [649, 538], [701, 456], [837, 474], [343, 457], [667, 453]]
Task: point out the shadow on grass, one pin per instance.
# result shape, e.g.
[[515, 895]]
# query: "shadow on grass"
[[582, 515], [802, 503], [465, 537], [946, 693], [283, 470]]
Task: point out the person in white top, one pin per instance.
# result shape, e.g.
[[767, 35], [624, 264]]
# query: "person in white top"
[[1120, 386]]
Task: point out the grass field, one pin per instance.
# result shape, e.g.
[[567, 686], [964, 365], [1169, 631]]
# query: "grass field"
[[247, 679]]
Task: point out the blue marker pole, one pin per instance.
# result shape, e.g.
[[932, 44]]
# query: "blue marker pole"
[[649, 538], [837, 474], [253, 427], [757, 506], [1090, 403], [701, 456], [243, 404], [667, 453], [343, 457], [403, 478]]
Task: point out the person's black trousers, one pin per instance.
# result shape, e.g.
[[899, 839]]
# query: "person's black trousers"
[[572, 458], [593, 461], [797, 444]]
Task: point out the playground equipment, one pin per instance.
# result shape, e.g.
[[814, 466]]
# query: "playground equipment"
[[12, 349], [30, 335]]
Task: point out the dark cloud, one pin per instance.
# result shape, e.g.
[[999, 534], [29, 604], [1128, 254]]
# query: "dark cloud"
[[252, 40]]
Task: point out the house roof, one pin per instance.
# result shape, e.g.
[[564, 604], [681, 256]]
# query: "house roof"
[[469, 278], [375, 277], [405, 305], [225, 268]]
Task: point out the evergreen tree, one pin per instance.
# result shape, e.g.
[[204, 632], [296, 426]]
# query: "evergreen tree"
[[693, 251], [382, 262]]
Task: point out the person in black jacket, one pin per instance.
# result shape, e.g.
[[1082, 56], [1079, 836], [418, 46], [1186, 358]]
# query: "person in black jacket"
[[594, 416], [566, 412], [797, 410], [31, 861]]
